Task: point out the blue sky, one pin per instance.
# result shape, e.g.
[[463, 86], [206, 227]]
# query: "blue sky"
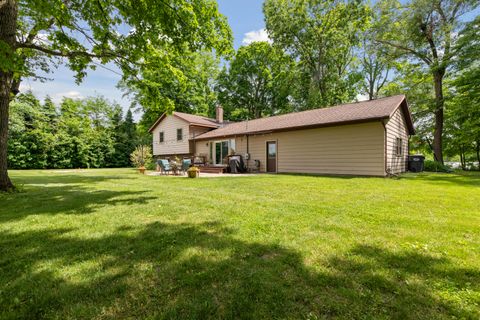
[[244, 16]]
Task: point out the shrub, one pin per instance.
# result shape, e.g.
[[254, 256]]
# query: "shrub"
[[141, 156], [435, 166]]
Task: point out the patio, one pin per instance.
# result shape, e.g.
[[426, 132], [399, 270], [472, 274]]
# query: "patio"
[[203, 175]]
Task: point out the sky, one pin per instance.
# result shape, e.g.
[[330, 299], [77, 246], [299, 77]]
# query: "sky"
[[244, 16]]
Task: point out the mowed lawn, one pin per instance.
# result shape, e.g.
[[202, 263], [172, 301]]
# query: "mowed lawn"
[[114, 244]]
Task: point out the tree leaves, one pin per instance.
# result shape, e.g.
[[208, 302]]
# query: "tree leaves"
[[322, 35], [257, 83], [78, 134]]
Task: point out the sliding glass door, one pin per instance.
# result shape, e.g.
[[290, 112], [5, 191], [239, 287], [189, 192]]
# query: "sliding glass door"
[[221, 151]]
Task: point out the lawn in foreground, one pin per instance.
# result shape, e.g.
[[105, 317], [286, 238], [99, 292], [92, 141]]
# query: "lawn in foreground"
[[114, 244]]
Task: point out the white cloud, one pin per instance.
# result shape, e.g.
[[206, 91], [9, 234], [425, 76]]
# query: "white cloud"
[[362, 97], [41, 39], [72, 94], [256, 35]]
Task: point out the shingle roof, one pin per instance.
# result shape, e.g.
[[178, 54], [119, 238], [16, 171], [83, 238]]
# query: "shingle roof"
[[342, 114], [199, 120], [191, 119]]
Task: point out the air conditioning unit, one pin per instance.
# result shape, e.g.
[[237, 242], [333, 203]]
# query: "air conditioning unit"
[[247, 156]]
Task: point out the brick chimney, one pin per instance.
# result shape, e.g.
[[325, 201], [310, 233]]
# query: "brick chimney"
[[219, 114]]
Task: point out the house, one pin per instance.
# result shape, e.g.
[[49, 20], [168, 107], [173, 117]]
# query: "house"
[[364, 138]]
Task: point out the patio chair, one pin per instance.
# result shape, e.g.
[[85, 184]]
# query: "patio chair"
[[186, 163], [164, 166], [199, 160]]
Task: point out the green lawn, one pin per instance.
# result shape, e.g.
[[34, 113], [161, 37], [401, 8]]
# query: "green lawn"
[[114, 244]]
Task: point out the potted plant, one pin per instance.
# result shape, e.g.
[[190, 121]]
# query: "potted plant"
[[141, 157], [193, 172], [176, 164]]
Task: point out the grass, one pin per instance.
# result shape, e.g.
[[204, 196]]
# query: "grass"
[[113, 244]]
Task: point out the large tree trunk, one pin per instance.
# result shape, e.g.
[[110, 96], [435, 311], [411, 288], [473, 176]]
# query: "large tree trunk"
[[463, 161], [478, 154], [8, 29], [438, 131]]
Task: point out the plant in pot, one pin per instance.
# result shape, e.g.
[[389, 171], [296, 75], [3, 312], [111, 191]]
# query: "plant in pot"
[[141, 157], [193, 172], [176, 164]]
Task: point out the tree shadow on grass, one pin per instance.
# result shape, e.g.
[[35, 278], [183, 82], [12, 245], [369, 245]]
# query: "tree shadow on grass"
[[53, 177], [203, 271], [67, 194], [461, 179]]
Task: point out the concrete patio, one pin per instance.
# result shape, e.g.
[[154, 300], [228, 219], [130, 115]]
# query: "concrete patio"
[[203, 175]]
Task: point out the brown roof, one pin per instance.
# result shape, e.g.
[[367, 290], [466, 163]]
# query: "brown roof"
[[191, 119], [363, 111]]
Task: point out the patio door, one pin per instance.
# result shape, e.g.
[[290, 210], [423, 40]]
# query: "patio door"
[[271, 156], [221, 151]]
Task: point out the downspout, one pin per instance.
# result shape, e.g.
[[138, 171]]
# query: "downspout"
[[192, 154], [248, 152]]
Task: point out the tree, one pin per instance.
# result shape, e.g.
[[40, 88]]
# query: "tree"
[[187, 85], [322, 35], [375, 64], [31, 136], [424, 31], [375, 70], [124, 137], [33, 34], [79, 134], [257, 82], [465, 106]]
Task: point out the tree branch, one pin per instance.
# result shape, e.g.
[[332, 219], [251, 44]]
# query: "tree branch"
[[407, 49], [69, 54], [34, 32]]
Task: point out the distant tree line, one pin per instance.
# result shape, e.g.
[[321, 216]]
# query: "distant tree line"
[[78, 133]]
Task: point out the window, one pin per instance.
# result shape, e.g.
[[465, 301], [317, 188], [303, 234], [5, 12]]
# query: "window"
[[161, 137], [399, 147], [179, 134], [272, 150]]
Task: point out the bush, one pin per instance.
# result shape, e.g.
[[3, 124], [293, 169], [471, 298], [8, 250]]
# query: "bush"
[[435, 166], [152, 166], [141, 156]]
